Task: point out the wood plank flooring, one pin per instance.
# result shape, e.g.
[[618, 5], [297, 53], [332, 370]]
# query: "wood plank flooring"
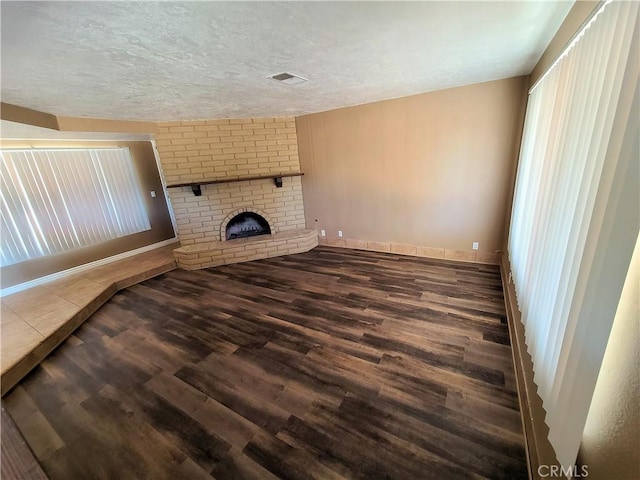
[[18, 461], [329, 364]]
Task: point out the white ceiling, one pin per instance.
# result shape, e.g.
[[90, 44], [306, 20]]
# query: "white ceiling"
[[190, 60]]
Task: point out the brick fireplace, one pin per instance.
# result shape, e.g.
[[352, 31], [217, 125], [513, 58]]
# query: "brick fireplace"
[[207, 150]]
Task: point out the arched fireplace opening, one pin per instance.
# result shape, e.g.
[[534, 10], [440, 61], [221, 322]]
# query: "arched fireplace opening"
[[247, 224]]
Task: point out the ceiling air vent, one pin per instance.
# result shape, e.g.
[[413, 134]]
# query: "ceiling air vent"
[[288, 78]]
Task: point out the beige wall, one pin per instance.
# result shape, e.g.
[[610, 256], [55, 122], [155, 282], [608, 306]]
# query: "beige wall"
[[18, 114], [224, 149], [431, 170], [161, 227], [611, 438]]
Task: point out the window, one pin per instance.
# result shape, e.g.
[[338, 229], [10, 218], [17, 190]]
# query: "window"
[[575, 214], [57, 200]]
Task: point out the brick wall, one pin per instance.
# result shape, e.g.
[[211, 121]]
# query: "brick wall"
[[222, 149]]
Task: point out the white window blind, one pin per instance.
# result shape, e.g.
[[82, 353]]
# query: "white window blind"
[[565, 157], [56, 200]]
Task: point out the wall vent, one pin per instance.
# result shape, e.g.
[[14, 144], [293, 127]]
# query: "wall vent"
[[288, 78]]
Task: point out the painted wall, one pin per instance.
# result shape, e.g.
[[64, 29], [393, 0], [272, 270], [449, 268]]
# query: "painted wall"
[[161, 226], [26, 116], [430, 170], [611, 437]]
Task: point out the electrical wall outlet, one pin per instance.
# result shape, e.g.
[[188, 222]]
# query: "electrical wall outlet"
[[323, 233], [340, 233], [153, 194], [476, 245]]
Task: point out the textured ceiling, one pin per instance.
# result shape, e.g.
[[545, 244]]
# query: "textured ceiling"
[[188, 60]]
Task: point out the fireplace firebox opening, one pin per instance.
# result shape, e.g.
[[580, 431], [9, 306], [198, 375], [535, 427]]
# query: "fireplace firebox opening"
[[247, 224]]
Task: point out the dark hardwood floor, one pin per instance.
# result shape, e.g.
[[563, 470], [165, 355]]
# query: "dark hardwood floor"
[[329, 364]]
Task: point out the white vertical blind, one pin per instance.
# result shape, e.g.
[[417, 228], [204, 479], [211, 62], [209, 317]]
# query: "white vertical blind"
[[56, 200], [563, 159]]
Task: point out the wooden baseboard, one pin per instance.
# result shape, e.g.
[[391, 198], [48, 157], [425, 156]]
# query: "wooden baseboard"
[[540, 453]]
